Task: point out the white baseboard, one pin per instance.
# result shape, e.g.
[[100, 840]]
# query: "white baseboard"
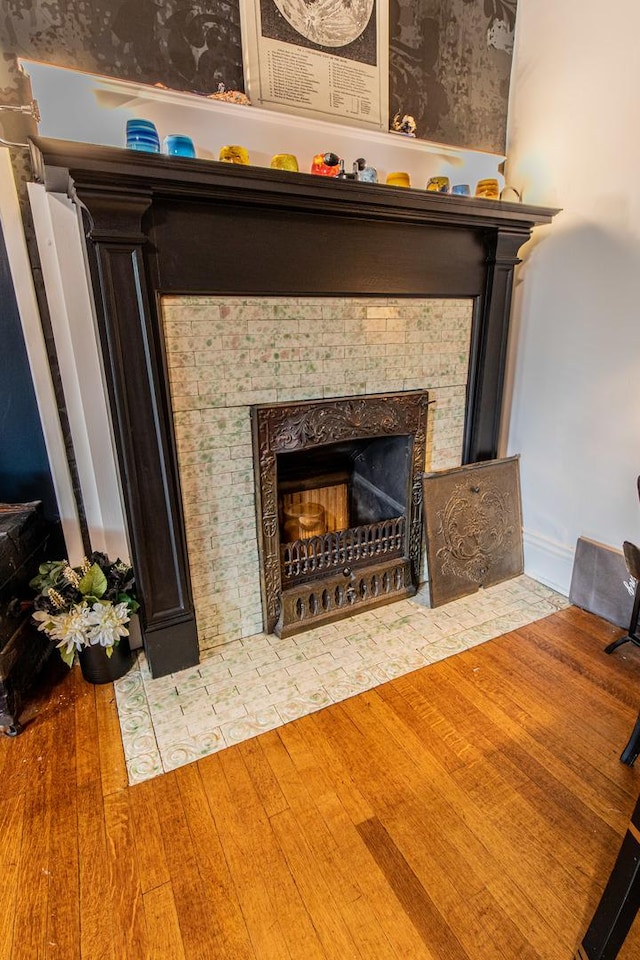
[[548, 561]]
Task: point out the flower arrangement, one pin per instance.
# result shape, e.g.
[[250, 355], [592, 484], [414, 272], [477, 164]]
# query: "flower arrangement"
[[84, 606]]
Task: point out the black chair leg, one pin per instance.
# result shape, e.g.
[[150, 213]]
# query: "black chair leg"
[[632, 748], [618, 643], [632, 636], [619, 903]]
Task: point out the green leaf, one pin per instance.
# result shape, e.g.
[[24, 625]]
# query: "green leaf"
[[131, 603], [49, 575], [94, 583], [67, 656], [109, 651]]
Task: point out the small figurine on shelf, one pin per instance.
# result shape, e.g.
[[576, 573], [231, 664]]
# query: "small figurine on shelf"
[[405, 125], [398, 178], [234, 154], [284, 161], [326, 164], [488, 189], [342, 173], [363, 173], [438, 185], [230, 96]]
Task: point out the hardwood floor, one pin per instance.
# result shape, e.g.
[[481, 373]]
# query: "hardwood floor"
[[471, 810]]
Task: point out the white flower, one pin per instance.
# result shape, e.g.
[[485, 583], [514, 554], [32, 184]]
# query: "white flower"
[[107, 623], [70, 627], [45, 620]]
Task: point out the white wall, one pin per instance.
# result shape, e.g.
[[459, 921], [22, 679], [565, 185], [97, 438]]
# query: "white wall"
[[76, 337], [574, 142], [20, 267]]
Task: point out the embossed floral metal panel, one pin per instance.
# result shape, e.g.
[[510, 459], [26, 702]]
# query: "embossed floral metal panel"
[[473, 526]]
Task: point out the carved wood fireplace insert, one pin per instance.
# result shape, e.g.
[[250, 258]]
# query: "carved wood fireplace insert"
[[158, 226]]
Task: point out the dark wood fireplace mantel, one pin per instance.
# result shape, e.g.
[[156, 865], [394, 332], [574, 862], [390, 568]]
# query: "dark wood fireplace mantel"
[[160, 225]]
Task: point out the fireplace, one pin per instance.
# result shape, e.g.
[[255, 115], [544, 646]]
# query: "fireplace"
[[339, 505], [158, 226]]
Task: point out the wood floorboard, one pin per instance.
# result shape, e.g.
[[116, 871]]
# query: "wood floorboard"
[[471, 810], [305, 829], [29, 925], [448, 862], [146, 830], [504, 771], [574, 685], [213, 869], [551, 735], [410, 893], [326, 780], [63, 921], [268, 856], [255, 897], [125, 894], [96, 941], [163, 930], [113, 769], [86, 730], [199, 926], [12, 814]]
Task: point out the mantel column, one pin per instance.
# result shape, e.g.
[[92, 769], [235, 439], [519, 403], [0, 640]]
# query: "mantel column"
[[489, 345], [131, 345]]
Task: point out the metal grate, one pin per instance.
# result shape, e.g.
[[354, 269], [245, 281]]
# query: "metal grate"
[[304, 558]]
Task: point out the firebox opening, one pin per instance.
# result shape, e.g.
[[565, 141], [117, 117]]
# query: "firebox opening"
[[343, 485]]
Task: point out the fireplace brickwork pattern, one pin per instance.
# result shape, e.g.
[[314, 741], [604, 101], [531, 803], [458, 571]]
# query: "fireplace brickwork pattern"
[[226, 353]]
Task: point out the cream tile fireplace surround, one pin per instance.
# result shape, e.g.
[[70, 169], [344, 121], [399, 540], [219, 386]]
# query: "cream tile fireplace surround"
[[226, 353], [219, 287]]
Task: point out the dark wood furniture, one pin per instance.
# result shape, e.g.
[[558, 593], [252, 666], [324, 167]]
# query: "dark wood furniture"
[[165, 225], [25, 539], [619, 902]]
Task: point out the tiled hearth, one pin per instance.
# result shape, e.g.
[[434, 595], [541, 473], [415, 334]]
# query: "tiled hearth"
[[251, 685]]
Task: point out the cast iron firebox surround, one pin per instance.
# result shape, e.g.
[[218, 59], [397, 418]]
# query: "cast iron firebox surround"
[[309, 425], [161, 225]]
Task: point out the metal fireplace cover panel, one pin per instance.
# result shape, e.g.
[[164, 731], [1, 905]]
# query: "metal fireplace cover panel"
[[473, 527]]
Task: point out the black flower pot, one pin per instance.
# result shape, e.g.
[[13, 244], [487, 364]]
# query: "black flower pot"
[[97, 667]]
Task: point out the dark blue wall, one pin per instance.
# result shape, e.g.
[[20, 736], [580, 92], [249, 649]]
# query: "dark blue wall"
[[24, 467]]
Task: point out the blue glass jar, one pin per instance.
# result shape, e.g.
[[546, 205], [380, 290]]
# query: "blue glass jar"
[[368, 175], [177, 145], [142, 135]]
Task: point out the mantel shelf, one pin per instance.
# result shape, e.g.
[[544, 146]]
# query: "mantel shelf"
[[161, 176]]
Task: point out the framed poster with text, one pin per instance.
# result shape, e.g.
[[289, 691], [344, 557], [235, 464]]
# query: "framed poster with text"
[[326, 59]]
